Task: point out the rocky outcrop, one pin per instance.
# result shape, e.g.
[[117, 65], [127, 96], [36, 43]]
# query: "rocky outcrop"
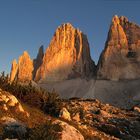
[[94, 120], [137, 109], [23, 70], [68, 132], [25, 67], [12, 129], [68, 56], [9, 102], [38, 61], [14, 70], [121, 57], [103, 121], [64, 114]]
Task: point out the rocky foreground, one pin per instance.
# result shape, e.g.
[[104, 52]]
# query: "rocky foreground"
[[77, 119]]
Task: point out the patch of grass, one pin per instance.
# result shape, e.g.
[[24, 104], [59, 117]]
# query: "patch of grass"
[[49, 131]]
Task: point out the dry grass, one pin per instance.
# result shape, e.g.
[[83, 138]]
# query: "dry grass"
[[37, 117]]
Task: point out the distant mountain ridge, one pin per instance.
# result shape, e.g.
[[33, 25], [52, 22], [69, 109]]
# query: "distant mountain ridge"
[[68, 56]]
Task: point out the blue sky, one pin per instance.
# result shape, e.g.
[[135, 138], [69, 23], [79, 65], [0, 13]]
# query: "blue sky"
[[28, 24]]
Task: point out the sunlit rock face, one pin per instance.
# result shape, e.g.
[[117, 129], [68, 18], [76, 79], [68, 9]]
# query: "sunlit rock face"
[[9, 101], [121, 57], [14, 69], [25, 67], [23, 71], [68, 56]]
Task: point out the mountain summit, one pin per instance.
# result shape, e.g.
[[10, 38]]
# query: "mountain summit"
[[67, 56], [121, 57], [23, 69]]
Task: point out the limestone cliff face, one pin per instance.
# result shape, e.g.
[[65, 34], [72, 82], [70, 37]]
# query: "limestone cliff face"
[[38, 61], [23, 71], [14, 69], [68, 56], [121, 57], [25, 67]]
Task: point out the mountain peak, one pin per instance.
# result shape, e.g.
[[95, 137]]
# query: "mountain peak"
[[38, 61], [120, 58], [115, 19], [123, 19], [67, 56], [40, 52], [23, 69], [65, 26], [14, 69], [25, 53], [14, 61], [119, 20]]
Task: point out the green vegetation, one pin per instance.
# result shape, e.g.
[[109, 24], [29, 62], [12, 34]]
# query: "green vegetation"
[[49, 102]]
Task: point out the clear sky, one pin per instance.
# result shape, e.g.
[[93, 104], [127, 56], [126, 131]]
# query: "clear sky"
[[28, 24]]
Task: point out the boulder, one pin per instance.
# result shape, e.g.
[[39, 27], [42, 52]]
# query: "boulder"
[[69, 132], [9, 101], [76, 117], [137, 109], [65, 114], [12, 129]]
